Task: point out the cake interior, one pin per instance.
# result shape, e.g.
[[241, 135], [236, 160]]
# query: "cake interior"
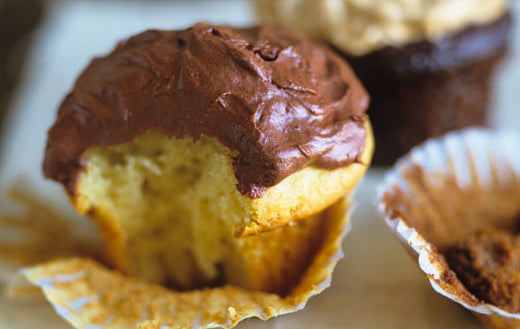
[[168, 209]]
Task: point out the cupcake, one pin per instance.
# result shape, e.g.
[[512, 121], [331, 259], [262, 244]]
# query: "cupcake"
[[428, 64], [210, 156], [454, 201]]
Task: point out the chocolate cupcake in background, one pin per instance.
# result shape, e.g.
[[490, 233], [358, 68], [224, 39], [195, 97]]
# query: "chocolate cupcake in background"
[[427, 64]]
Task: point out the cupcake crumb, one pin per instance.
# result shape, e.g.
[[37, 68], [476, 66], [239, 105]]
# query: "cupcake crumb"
[[488, 264]]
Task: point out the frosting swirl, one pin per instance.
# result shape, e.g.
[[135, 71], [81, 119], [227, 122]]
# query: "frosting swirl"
[[279, 100], [358, 27]]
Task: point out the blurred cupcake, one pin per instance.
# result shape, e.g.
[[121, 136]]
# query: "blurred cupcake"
[[455, 202], [427, 64]]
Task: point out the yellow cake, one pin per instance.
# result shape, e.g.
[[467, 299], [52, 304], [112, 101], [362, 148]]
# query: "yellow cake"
[[185, 232]]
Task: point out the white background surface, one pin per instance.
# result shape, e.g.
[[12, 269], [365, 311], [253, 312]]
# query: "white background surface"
[[376, 285]]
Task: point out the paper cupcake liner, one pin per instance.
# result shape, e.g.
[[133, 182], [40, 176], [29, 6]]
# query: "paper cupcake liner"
[[90, 296], [446, 189], [31, 232]]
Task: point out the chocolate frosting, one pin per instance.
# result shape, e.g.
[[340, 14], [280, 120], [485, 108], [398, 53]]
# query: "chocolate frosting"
[[280, 100]]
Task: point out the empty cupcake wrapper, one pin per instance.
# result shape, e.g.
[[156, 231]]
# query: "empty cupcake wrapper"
[[444, 190]]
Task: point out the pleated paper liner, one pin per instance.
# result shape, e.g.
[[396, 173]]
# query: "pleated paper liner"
[[90, 296], [445, 190], [32, 232]]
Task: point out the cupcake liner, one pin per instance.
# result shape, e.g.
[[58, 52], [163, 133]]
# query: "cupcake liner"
[[445, 190], [91, 296], [31, 232]]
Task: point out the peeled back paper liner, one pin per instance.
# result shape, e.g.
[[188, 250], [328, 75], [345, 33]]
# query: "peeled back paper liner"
[[90, 296], [32, 232], [445, 190]]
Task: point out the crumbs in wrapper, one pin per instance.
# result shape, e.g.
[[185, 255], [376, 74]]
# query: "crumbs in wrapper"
[[89, 296], [443, 193]]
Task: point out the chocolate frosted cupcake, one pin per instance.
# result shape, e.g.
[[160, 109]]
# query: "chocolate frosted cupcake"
[[187, 146], [427, 64]]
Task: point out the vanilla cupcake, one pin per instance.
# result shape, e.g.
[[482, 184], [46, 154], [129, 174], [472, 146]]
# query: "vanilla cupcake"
[[184, 146], [428, 64], [454, 201]]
